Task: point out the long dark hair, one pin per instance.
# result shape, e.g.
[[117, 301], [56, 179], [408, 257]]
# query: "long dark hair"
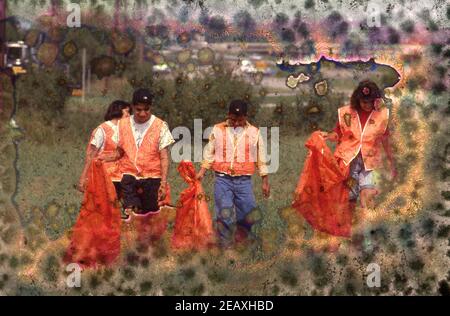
[[114, 110], [366, 90]]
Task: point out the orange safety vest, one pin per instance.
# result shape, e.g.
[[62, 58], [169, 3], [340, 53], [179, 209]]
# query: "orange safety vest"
[[109, 147], [367, 140], [145, 161], [238, 159]]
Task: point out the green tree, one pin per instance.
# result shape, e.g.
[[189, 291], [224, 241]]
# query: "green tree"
[[215, 28], [95, 41], [245, 23], [281, 19], [182, 100]]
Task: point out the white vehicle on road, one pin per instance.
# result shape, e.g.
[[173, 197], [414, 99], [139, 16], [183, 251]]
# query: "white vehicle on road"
[[248, 67], [161, 68]]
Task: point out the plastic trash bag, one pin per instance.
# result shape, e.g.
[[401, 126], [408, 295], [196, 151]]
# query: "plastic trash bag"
[[193, 224], [95, 238], [322, 194]]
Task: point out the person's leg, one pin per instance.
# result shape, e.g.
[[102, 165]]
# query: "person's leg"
[[151, 224], [367, 194], [225, 216], [353, 180], [124, 215], [118, 188], [130, 198], [148, 194], [245, 202], [359, 213], [368, 189]]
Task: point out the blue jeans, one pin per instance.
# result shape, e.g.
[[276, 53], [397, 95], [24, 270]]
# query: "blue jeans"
[[234, 200]]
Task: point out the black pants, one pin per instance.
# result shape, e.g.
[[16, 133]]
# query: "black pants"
[[118, 188], [141, 194]]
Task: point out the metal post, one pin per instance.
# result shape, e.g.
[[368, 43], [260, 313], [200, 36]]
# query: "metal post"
[[89, 80], [83, 76], [2, 31]]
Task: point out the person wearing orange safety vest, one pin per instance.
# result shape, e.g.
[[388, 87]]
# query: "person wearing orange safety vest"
[[361, 132], [143, 157], [103, 144], [95, 236], [234, 151]]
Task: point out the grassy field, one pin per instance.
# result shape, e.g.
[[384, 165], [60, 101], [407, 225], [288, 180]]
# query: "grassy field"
[[51, 158]]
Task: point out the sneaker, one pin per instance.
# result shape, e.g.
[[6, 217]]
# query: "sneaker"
[[124, 215]]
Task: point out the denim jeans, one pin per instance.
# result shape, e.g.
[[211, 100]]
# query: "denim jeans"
[[234, 200]]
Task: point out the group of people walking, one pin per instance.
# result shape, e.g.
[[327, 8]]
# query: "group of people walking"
[[133, 145]]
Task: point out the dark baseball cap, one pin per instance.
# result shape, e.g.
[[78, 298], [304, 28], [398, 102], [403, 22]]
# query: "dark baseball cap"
[[238, 107], [143, 95]]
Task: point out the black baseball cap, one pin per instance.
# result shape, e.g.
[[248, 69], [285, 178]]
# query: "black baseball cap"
[[238, 107], [143, 95]]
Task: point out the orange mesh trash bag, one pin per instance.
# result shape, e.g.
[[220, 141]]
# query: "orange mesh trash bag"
[[95, 236], [322, 196], [193, 224]]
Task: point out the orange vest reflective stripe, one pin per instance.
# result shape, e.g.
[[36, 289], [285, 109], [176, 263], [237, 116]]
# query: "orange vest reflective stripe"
[[109, 146], [367, 140], [239, 159], [145, 161]]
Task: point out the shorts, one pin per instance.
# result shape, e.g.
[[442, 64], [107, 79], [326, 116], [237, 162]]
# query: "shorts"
[[141, 194], [363, 179]]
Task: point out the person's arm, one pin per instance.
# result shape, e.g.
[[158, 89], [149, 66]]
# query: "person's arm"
[[164, 155], [208, 156], [334, 135], [263, 170], [97, 140], [92, 151], [165, 140], [385, 140], [108, 157]]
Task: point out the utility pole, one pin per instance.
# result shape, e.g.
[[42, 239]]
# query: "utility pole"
[[88, 83], [116, 19], [54, 7], [83, 75], [2, 31]]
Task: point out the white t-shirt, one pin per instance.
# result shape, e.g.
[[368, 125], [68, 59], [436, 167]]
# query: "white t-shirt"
[[139, 131]]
